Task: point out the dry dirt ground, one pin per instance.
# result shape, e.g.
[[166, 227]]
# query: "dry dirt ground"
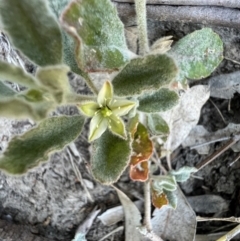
[[50, 201]]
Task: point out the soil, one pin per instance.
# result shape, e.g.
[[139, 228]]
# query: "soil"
[[50, 201]]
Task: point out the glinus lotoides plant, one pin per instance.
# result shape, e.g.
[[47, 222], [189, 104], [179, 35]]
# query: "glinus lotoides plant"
[[89, 37]]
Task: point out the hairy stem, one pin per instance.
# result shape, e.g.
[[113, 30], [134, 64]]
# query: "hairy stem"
[[141, 11], [75, 98], [90, 83], [147, 205]]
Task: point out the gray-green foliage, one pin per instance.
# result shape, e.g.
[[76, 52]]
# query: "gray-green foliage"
[[143, 74], [5, 91], [157, 124], [161, 100], [33, 30], [197, 54], [16, 74], [100, 35], [50, 135], [88, 36], [68, 43], [111, 155]]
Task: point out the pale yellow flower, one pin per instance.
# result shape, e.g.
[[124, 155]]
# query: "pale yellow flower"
[[105, 113]]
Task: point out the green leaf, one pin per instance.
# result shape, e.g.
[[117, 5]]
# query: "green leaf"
[[110, 157], [32, 95], [6, 91], [17, 75], [95, 26], [57, 7], [19, 108], [157, 124], [143, 74], [55, 80], [161, 100], [33, 30], [183, 173], [164, 182], [197, 54], [172, 198], [34, 146]]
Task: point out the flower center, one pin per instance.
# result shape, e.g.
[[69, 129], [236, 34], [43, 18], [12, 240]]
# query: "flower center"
[[106, 111]]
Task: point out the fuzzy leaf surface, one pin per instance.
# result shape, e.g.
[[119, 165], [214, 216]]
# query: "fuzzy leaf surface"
[[197, 54], [161, 100], [183, 173], [17, 75], [55, 80], [172, 198], [6, 91], [110, 157], [144, 74], [34, 146], [142, 148], [19, 108], [157, 125], [68, 42], [33, 30], [101, 36]]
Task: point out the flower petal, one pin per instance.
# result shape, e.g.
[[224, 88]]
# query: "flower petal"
[[121, 107], [116, 126], [88, 108], [105, 94], [98, 125]]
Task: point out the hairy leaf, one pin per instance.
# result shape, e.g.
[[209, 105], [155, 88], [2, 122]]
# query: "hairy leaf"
[[142, 148], [18, 108], [101, 36], [110, 157], [183, 173], [57, 7], [157, 124], [197, 54], [16, 74], [34, 146], [161, 100], [33, 30], [6, 91], [143, 74], [55, 80], [164, 182], [171, 197]]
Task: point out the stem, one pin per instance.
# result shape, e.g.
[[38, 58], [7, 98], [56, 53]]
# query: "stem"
[[147, 205], [141, 12], [75, 98], [90, 83], [169, 163], [231, 234], [217, 153]]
